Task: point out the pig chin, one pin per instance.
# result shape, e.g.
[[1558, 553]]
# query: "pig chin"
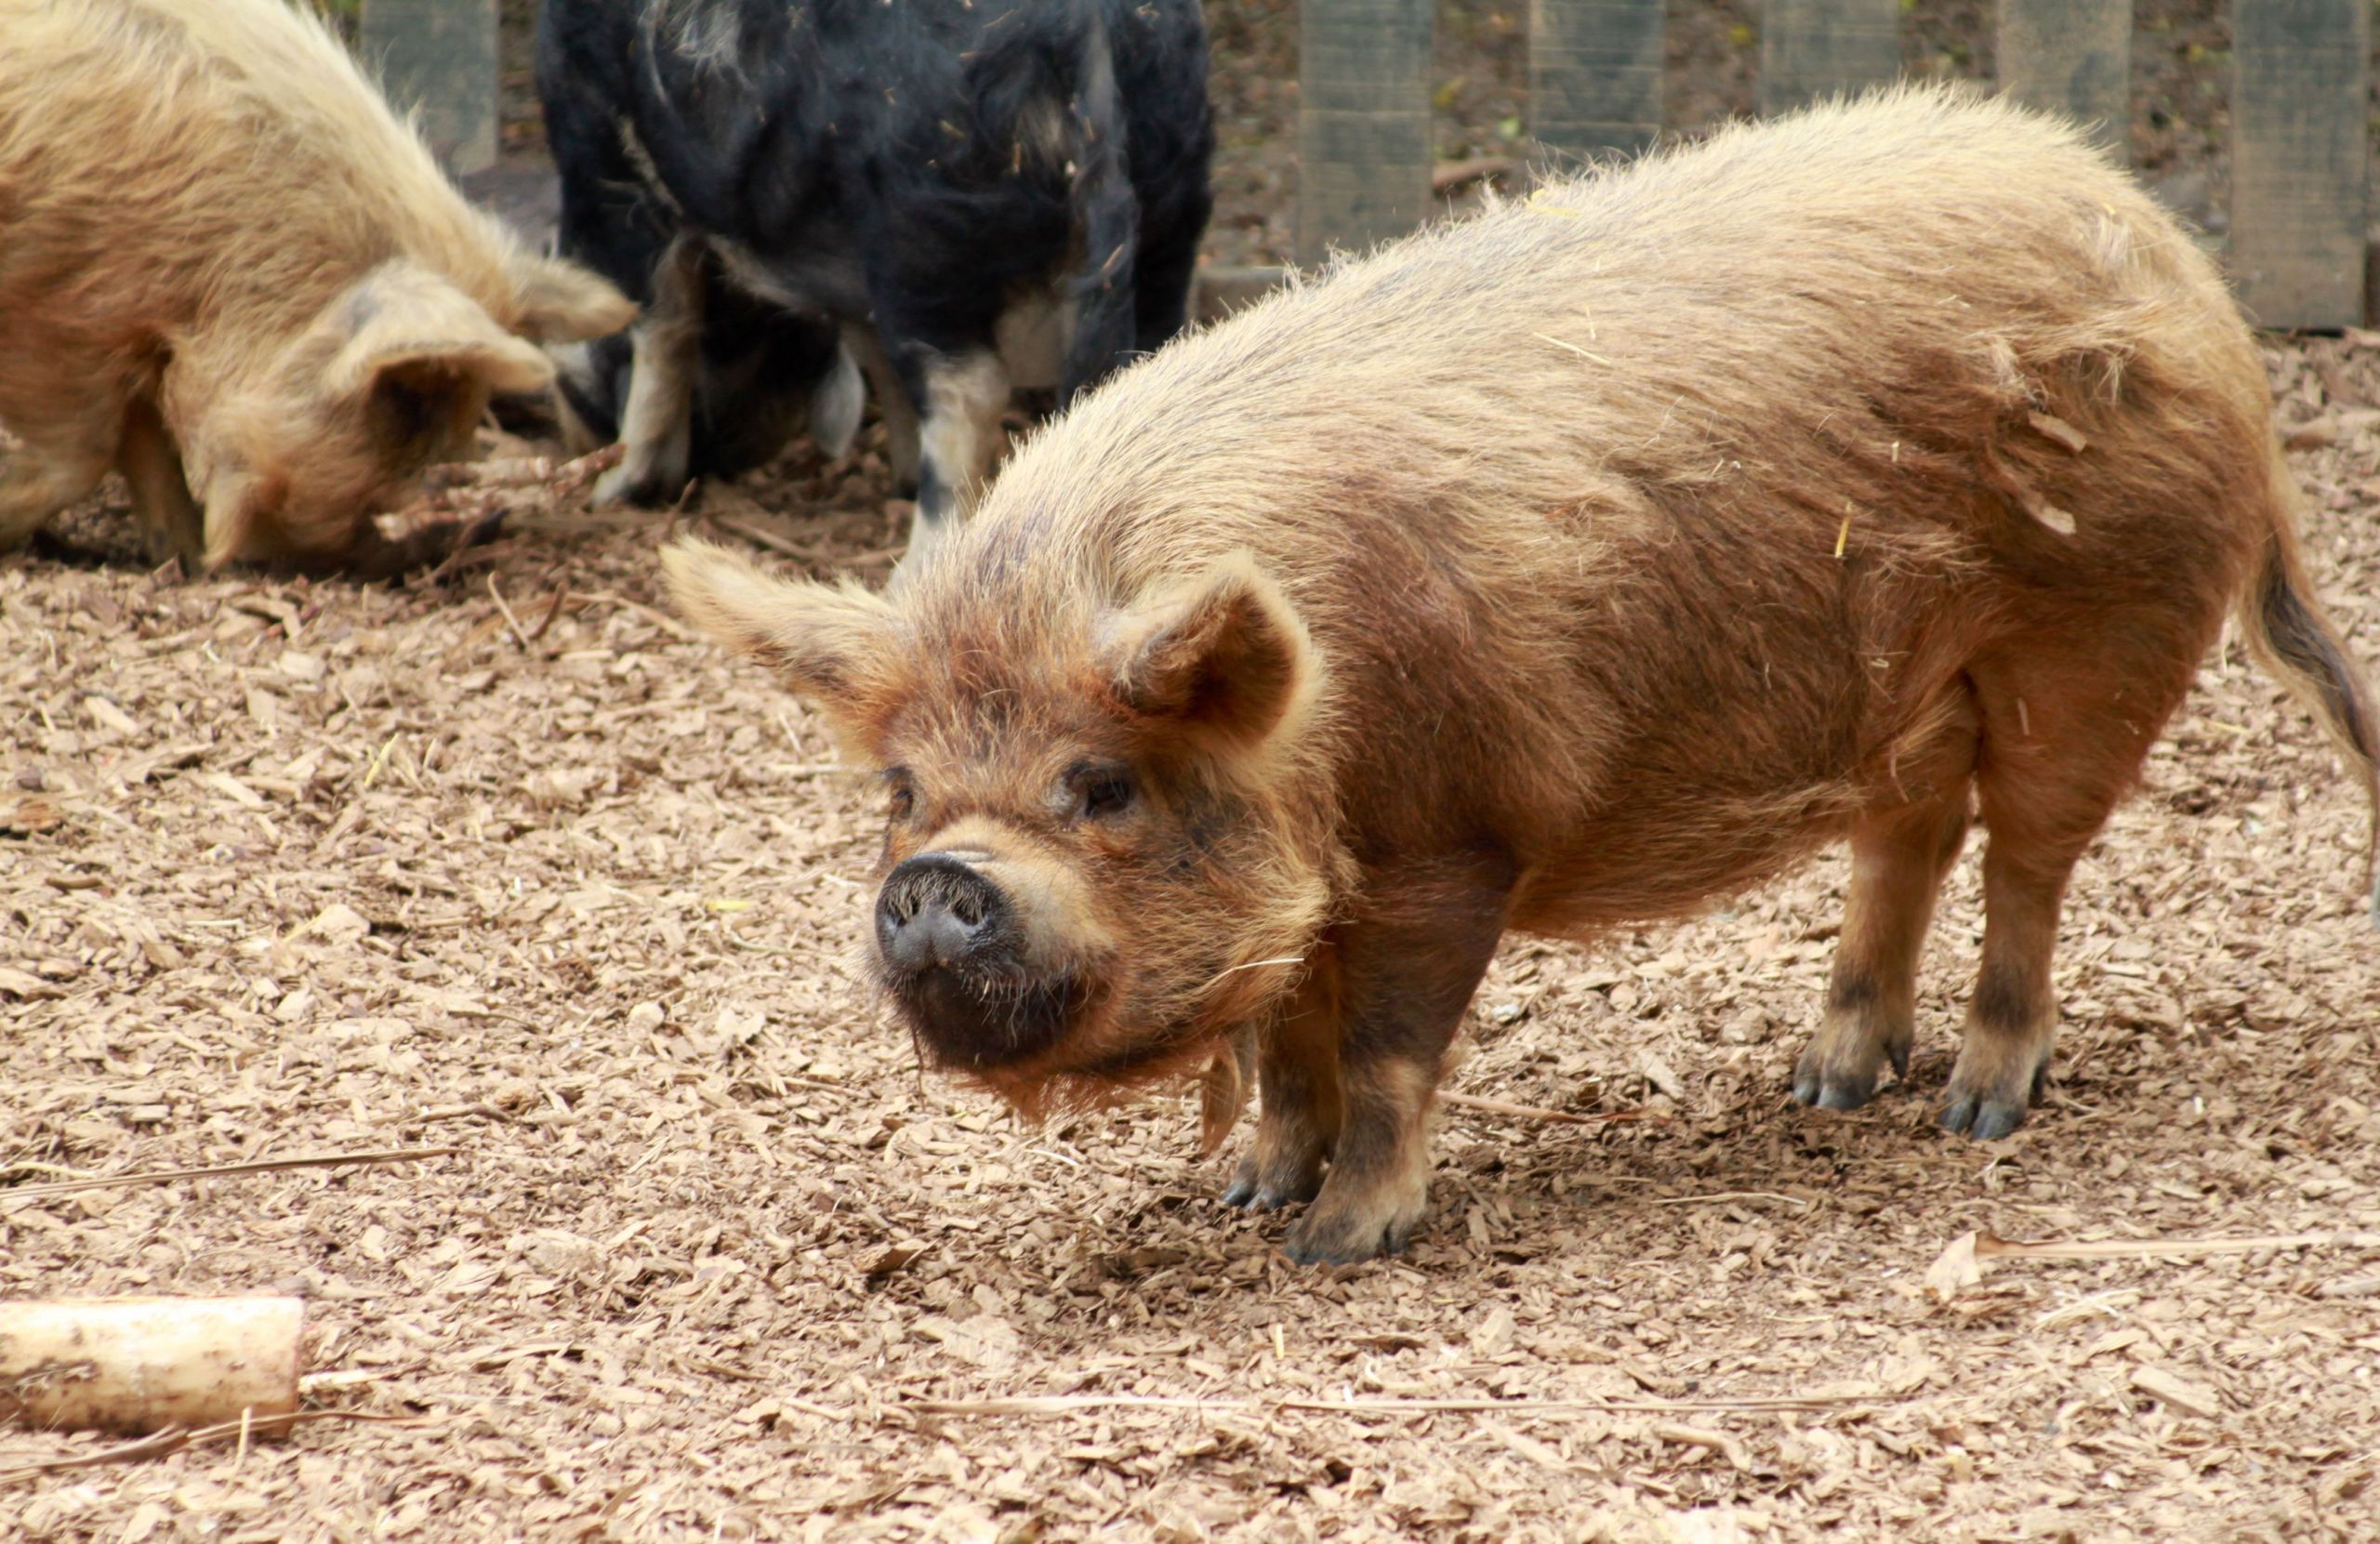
[[984, 1024]]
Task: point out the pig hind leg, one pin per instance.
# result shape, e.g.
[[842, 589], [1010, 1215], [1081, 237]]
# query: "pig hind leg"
[[2062, 743], [1897, 862], [657, 420], [1297, 1069]]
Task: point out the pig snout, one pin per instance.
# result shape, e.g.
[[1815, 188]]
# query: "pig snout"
[[951, 949], [937, 915]]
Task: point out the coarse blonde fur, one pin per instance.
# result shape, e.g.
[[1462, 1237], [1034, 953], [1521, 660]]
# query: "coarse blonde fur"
[[1826, 479], [226, 267]]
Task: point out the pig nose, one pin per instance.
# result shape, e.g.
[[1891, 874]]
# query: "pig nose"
[[934, 913]]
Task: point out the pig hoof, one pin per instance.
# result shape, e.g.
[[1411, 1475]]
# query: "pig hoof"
[[1827, 1089], [1255, 1189], [1974, 1107], [1349, 1242], [1838, 1069], [1983, 1119], [1363, 1229], [621, 486]]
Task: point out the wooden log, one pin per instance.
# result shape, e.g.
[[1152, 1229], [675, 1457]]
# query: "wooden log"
[[1363, 122], [1813, 48], [2298, 158], [139, 1364], [1594, 75], [438, 58], [2072, 57]]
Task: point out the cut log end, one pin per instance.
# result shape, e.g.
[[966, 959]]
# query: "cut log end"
[[139, 1364]]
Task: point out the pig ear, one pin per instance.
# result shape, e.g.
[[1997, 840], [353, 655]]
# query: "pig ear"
[[403, 329], [833, 642], [561, 302], [234, 517], [1224, 654]]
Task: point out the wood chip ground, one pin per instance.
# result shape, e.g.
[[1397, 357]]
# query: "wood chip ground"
[[511, 863]]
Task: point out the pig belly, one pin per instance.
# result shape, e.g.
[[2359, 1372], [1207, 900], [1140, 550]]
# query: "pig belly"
[[1708, 798], [1659, 853]]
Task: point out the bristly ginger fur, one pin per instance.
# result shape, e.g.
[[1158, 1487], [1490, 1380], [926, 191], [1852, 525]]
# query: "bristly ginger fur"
[[229, 270], [1846, 475]]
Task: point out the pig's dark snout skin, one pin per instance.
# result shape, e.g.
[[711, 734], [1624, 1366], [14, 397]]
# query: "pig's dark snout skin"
[[950, 950], [936, 913]]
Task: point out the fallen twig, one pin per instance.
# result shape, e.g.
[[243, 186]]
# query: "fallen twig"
[[667, 623], [173, 1439], [1720, 1442], [137, 1366], [762, 536], [1961, 1263], [554, 609], [1532, 1111], [1052, 1405], [509, 620], [434, 1113], [1988, 1245], [262, 1165]]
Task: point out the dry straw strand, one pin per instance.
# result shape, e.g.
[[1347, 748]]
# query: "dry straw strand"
[[262, 1165], [173, 1439]]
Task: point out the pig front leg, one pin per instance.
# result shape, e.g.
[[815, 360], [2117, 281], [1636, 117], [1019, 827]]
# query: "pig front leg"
[[960, 442], [893, 402], [1296, 1071], [62, 451], [1407, 967], [171, 521]]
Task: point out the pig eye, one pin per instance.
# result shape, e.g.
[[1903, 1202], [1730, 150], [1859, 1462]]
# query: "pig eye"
[[1105, 790], [902, 802]]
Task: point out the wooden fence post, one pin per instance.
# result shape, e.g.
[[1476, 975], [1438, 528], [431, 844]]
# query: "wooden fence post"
[[1594, 75], [2297, 159], [1809, 48], [2072, 57], [1363, 122], [438, 58]]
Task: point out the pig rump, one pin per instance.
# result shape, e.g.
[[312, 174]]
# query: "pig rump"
[[1859, 474]]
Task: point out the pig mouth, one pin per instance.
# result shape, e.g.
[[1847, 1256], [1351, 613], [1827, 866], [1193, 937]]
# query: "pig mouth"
[[977, 1022]]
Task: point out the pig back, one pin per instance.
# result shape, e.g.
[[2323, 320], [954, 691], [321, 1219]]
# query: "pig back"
[[183, 161], [1691, 485]]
